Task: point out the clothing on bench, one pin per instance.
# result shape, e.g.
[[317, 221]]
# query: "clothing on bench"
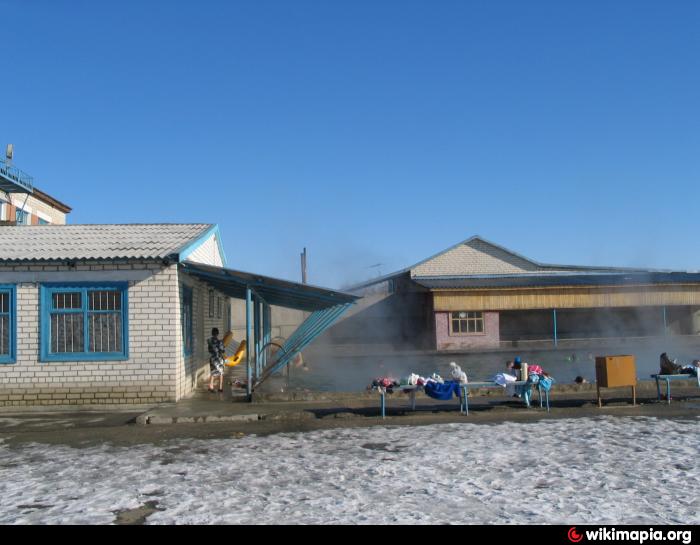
[[462, 391]]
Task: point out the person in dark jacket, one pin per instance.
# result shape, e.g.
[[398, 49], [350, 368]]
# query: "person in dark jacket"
[[668, 367]]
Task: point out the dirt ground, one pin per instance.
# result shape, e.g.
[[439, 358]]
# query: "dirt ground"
[[89, 428]]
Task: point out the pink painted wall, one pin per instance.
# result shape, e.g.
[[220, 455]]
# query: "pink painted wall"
[[490, 338]]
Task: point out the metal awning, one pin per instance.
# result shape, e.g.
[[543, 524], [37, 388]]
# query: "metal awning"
[[273, 291], [13, 180], [260, 293]]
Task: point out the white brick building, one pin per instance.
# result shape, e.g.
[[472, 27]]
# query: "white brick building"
[[117, 314]]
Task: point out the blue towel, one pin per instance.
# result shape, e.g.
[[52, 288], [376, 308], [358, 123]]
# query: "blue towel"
[[546, 383], [443, 391]]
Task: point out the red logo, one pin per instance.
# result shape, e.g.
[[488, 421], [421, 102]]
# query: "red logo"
[[574, 536]]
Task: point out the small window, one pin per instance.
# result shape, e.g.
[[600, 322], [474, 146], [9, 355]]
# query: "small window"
[[84, 323], [219, 307], [212, 303], [467, 322], [7, 324], [186, 319], [42, 221], [22, 217]]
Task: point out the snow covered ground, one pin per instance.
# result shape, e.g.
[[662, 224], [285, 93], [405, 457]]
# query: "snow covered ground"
[[602, 470]]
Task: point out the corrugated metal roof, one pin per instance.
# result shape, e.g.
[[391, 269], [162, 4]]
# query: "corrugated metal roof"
[[275, 291], [109, 241], [560, 279]]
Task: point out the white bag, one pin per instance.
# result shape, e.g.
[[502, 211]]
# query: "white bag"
[[457, 373]]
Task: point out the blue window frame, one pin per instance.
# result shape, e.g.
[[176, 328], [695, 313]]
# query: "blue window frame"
[[86, 322], [22, 217], [42, 221], [8, 327], [186, 320]]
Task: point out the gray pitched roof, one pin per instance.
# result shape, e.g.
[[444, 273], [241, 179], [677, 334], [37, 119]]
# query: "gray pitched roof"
[[538, 268], [77, 242]]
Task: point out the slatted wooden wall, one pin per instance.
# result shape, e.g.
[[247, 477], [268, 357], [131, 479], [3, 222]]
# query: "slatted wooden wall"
[[567, 297]]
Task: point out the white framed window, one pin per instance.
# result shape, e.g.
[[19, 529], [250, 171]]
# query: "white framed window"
[[465, 322]]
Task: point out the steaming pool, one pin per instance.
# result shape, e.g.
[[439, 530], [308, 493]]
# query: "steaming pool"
[[328, 371]]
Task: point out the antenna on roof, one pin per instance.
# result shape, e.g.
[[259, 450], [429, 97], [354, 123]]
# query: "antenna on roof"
[[377, 266], [9, 152], [303, 266]]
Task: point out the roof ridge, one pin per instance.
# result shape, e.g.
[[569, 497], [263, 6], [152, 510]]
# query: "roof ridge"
[[109, 224]]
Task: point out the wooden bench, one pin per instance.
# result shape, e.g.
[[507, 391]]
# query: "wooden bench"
[[464, 397], [668, 379]]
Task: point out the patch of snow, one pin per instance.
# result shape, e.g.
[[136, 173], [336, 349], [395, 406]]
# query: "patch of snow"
[[604, 470]]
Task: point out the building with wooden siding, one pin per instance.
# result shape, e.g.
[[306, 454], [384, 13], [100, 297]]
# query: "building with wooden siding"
[[479, 295]]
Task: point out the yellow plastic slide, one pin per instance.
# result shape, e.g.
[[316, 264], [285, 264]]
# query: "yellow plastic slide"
[[237, 357]]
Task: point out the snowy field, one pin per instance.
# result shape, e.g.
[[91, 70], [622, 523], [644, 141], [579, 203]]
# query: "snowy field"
[[587, 470]]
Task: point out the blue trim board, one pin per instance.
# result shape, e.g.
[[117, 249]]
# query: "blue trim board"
[[220, 245], [190, 247], [46, 291], [12, 356]]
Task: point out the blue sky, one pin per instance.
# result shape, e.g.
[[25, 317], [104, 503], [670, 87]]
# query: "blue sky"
[[371, 132]]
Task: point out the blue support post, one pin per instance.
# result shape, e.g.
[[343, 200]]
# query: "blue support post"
[[256, 335], [658, 388], [261, 338], [665, 323], [249, 371], [267, 331], [554, 314]]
